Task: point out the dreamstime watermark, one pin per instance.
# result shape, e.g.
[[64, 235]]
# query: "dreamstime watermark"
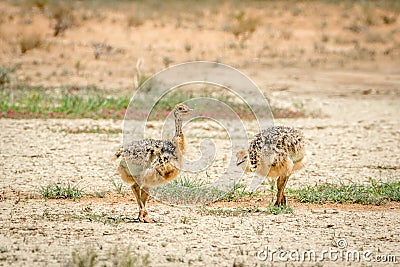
[[184, 78], [339, 252]]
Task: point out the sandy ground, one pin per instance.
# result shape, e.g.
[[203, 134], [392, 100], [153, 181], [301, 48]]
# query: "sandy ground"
[[355, 139], [39, 232]]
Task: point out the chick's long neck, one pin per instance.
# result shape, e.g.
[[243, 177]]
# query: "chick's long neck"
[[179, 139]]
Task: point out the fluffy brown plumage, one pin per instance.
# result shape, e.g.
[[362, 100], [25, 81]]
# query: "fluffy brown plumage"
[[275, 152], [147, 163]]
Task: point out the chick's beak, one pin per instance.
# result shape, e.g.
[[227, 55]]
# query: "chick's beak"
[[239, 161]]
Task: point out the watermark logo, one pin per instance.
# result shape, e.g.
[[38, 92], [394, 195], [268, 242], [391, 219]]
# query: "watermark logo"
[[341, 243], [186, 78], [338, 252]]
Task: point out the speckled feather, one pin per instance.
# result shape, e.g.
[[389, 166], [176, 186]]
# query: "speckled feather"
[[276, 143], [140, 152], [153, 162], [147, 153]]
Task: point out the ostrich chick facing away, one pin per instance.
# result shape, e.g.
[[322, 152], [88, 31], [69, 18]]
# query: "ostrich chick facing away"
[[152, 162], [275, 152]]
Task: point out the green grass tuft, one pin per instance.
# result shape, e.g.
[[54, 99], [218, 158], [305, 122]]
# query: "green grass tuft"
[[90, 130], [89, 257], [54, 191], [238, 191], [26, 101], [37, 102], [128, 258], [232, 212], [279, 210], [376, 193], [118, 186], [244, 211], [109, 219], [191, 191], [186, 191]]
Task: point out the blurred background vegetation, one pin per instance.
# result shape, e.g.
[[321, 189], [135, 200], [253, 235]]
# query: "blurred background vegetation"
[[73, 59]]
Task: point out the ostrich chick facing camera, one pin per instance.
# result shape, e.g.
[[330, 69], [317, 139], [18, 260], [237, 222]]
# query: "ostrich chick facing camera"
[[275, 152]]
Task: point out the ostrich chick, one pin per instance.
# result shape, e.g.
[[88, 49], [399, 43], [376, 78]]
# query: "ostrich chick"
[[275, 152], [147, 163]]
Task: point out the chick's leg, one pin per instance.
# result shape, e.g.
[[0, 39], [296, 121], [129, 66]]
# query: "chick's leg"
[[280, 196], [138, 194], [141, 194], [128, 178], [144, 198], [285, 172], [141, 197]]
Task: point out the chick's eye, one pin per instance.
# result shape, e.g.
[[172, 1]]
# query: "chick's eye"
[[180, 108]]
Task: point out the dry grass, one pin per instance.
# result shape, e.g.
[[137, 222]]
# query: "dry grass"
[[41, 4], [63, 16], [117, 257], [6, 74], [243, 25], [374, 37], [30, 41], [134, 20]]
